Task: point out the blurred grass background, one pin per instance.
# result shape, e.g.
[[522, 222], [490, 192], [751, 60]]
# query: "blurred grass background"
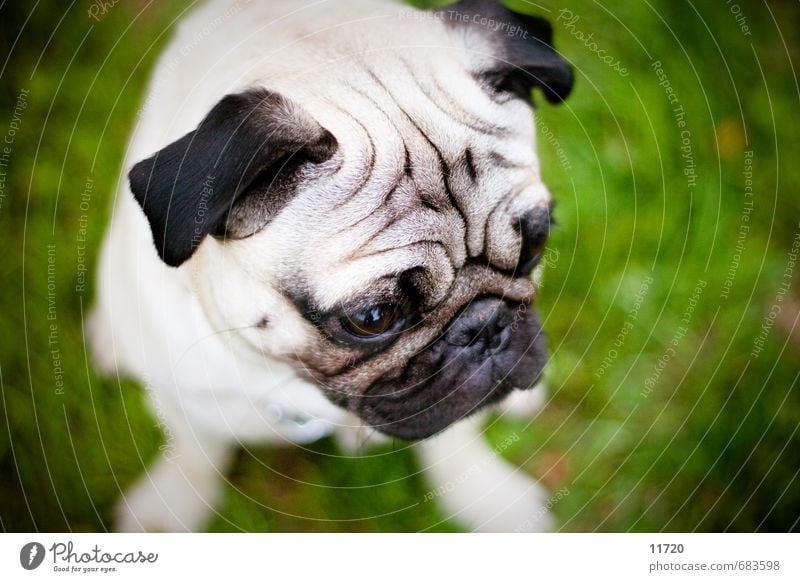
[[705, 440]]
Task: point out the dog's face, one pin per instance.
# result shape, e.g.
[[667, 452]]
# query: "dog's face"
[[377, 229]]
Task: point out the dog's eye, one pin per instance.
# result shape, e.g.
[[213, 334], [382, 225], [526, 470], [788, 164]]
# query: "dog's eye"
[[535, 230], [370, 322], [531, 253]]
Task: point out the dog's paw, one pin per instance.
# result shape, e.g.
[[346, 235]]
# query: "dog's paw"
[[524, 404], [473, 485], [522, 505], [499, 498], [169, 498]]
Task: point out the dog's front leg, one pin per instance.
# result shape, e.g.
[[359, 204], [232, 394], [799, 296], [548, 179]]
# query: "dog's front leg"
[[180, 490], [477, 487]]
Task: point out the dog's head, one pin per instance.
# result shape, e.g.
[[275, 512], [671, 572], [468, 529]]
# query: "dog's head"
[[376, 224]]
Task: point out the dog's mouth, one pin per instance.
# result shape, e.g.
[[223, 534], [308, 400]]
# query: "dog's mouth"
[[490, 349]]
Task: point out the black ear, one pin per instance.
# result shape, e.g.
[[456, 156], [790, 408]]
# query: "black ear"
[[188, 189], [523, 47]]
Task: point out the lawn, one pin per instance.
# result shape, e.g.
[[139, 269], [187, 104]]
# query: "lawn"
[[671, 295]]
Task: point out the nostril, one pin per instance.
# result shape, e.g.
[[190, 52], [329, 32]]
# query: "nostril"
[[499, 340], [479, 339], [485, 332], [481, 326]]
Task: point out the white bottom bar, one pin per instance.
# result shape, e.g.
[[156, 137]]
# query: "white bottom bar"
[[401, 557]]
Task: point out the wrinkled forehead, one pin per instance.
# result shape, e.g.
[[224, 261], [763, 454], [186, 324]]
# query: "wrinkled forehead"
[[432, 172], [378, 94]]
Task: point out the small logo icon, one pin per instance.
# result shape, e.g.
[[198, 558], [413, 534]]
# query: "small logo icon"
[[31, 555]]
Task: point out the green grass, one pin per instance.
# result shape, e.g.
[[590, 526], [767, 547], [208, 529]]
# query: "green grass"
[[711, 447]]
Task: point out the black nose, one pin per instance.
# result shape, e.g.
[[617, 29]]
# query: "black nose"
[[484, 326]]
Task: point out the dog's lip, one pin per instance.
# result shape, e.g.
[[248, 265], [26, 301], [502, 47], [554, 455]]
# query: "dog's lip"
[[434, 399], [424, 423]]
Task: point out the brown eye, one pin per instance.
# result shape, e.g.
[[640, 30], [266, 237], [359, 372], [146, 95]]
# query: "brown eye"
[[370, 322]]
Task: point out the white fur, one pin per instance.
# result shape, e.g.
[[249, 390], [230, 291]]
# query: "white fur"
[[167, 327], [475, 485]]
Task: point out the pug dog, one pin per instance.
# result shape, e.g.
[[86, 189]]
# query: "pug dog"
[[329, 226]]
